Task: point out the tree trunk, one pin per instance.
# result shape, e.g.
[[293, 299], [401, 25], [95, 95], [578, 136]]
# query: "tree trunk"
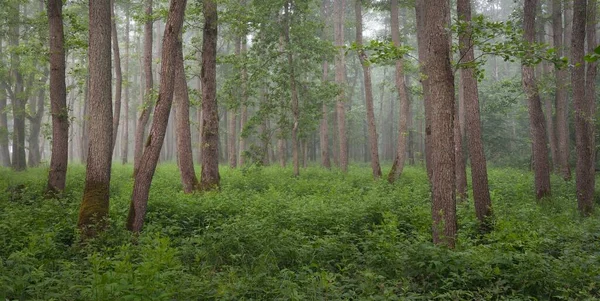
[[125, 132], [4, 153], [185, 159], [118, 73], [244, 113], [58, 100], [427, 100], [35, 124], [583, 104], [340, 71], [374, 150], [210, 117], [18, 104], [294, 93], [171, 49], [324, 128], [149, 83], [281, 151], [400, 156], [95, 204], [560, 98], [460, 170], [85, 116], [441, 89], [479, 178], [231, 137], [536, 116]]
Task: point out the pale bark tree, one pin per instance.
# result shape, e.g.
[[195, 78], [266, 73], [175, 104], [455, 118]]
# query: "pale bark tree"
[[400, 156], [368, 91], [58, 100], [118, 73], [340, 79], [441, 90], [479, 177], [210, 178], [4, 140], [182, 119], [85, 116], [94, 207], [149, 83], [541, 165], [125, 131], [244, 103], [143, 178]]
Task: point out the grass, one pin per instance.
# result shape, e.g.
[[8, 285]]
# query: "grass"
[[269, 236]]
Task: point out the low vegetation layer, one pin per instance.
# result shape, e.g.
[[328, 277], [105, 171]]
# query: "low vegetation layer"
[[269, 236]]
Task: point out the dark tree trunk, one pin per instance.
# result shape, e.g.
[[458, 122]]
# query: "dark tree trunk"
[[185, 159], [58, 100], [441, 89], [210, 178], [149, 83], [374, 150], [35, 124], [171, 46], [536, 116], [231, 137], [481, 191], [422, 49], [95, 204], [324, 128], [18, 104], [118, 73]]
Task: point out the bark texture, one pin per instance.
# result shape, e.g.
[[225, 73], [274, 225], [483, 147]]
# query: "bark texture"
[[422, 50], [541, 165], [143, 178], [58, 100], [95, 204], [210, 178], [118, 73], [373, 147], [340, 79], [441, 88], [125, 132], [560, 98], [185, 159], [479, 177], [4, 153], [19, 101]]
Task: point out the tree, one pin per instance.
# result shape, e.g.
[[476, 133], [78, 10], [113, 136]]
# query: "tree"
[[560, 98], [583, 104], [479, 178], [185, 160], [210, 178], [171, 49], [18, 99], [324, 126], [4, 153], [118, 72], [340, 70], [400, 157], [441, 90], [149, 83], [95, 204], [536, 116], [125, 132], [422, 50], [58, 100], [375, 167]]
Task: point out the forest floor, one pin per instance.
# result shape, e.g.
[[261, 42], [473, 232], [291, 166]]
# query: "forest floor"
[[269, 236]]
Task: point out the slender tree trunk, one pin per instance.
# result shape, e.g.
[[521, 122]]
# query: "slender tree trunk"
[[95, 204], [182, 119], [536, 116], [583, 104], [294, 93], [281, 151], [125, 132], [560, 98], [118, 73], [339, 10], [85, 116], [210, 117], [149, 83], [441, 89], [459, 161], [231, 137], [199, 115], [427, 100], [19, 101], [35, 124], [4, 153], [244, 113], [171, 49], [400, 156], [374, 151], [481, 191], [58, 100], [324, 128]]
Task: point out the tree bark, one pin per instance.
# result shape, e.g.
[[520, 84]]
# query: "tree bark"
[[583, 103], [460, 170], [441, 88], [118, 73], [210, 117], [149, 83], [185, 159], [340, 79], [422, 51], [35, 123], [244, 100], [293, 91], [324, 127], [536, 116], [4, 153], [171, 49], [18, 103], [400, 156], [85, 116], [94, 207], [125, 132], [479, 178], [374, 150], [560, 98], [231, 138]]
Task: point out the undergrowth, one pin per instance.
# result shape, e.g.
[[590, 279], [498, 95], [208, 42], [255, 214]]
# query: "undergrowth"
[[269, 236]]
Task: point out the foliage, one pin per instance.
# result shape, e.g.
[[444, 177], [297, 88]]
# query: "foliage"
[[270, 236]]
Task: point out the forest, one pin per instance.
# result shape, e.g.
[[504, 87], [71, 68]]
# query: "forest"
[[299, 150]]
